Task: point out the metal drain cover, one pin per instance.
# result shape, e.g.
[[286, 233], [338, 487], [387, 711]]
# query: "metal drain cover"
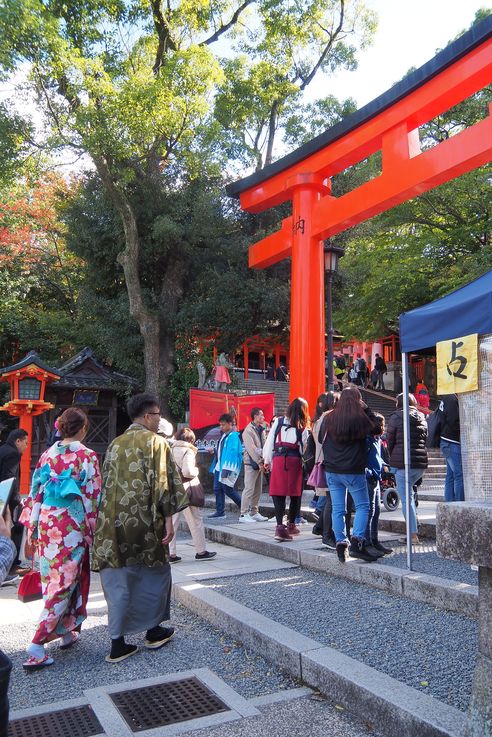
[[167, 703], [80, 721]]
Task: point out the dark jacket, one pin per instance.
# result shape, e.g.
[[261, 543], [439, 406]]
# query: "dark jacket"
[[450, 418], [418, 437], [10, 459], [350, 457], [380, 365]]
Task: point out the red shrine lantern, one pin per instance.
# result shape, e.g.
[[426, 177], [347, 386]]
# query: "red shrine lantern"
[[27, 381]]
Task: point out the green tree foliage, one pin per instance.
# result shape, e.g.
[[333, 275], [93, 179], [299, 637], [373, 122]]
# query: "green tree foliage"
[[134, 86]]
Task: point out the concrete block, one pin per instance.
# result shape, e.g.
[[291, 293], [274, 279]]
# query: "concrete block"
[[240, 539], [444, 594], [485, 611], [464, 532], [391, 706], [480, 713], [277, 643]]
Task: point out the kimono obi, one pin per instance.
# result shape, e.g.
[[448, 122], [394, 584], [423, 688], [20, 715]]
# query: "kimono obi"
[[60, 490]]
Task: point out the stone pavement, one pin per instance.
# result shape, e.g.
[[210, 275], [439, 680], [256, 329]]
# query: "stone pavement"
[[254, 655]]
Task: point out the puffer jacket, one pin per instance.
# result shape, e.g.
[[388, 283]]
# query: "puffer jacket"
[[185, 456], [418, 437]]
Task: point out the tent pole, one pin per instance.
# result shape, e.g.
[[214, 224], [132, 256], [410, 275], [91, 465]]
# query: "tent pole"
[[406, 451]]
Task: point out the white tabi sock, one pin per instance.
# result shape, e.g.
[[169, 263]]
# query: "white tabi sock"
[[37, 651]]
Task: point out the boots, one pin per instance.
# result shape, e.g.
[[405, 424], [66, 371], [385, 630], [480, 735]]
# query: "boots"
[[358, 550], [281, 533]]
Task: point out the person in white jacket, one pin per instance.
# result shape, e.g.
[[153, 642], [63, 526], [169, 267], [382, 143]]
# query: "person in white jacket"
[[184, 453]]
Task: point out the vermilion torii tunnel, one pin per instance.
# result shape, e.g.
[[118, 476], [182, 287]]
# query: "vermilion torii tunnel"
[[388, 124]]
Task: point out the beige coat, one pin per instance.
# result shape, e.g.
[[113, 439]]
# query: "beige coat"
[[253, 445], [184, 455], [318, 456]]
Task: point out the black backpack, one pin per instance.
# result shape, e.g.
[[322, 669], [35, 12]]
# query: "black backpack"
[[361, 365], [341, 362], [434, 429]]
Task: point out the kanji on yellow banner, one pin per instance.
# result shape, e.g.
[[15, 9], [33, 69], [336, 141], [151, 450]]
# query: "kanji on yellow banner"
[[457, 365]]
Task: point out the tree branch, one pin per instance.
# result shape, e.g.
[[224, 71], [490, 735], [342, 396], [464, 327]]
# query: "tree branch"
[[332, 36], [163, 31], [224, 27]]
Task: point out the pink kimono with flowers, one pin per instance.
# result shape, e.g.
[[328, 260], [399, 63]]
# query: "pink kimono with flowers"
[[61, 513]]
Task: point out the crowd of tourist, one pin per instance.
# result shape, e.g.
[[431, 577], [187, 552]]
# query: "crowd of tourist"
[[122, 522]]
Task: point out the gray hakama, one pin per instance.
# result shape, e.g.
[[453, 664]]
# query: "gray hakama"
[[138, 597]]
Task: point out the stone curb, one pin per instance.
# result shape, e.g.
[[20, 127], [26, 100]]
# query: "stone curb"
[[454, 596], [427, 530], [393, 707]]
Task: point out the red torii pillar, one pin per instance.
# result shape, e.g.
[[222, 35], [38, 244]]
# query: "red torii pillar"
[[389, 124]]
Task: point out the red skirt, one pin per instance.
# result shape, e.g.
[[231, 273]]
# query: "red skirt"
[[222, 375], [286, 476]]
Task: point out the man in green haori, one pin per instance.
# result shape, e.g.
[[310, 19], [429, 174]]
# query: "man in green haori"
[[141, 492]]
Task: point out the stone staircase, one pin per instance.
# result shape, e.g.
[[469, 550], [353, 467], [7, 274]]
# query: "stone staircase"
[[256, 383]]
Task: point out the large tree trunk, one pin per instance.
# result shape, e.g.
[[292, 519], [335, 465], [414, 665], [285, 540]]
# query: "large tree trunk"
[[172, 290], [148, 321]]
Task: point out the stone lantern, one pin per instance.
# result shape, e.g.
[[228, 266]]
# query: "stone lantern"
[[27, 381]]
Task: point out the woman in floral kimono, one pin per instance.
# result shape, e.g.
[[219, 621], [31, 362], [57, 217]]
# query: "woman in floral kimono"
[[60, 514]]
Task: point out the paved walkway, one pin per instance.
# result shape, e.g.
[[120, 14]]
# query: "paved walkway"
[[225, 643]]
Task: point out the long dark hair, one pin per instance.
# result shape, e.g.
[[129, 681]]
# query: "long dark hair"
[[348, 421], [298, 413], [325, 401]]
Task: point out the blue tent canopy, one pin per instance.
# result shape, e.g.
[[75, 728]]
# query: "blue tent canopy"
[[465, 311]]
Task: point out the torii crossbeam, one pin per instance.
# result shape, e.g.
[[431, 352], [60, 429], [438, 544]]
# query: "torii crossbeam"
[[388, 124]]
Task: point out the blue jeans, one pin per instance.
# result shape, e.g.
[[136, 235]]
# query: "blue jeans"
[[373, 491], [339, 484], [221, 490], [454, 491], [414, 475], [320, 504]]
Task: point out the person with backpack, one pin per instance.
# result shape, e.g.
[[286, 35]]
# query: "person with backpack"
[[339, 367], [361, 369], [282, 455], [381, 370], [418, 453]]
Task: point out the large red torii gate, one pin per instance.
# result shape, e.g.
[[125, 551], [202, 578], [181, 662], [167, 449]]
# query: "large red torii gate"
[[388, 124]]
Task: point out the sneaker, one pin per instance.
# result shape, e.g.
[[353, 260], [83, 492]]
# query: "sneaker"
[[317, 530], [120, 650], [330, 542], [174, 558], [204, 556], [216, 515], [292, 529], [301, 521], [158, 636], [374, 551], [259, 517], [358, 550], [246, 519], [281, 533], [382, 548], [342, 551], [10, 580]]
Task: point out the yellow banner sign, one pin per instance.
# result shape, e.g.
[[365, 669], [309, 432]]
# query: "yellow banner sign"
[[457, 365]]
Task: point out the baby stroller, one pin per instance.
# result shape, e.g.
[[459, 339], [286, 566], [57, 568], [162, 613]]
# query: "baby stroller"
[[389, 495]]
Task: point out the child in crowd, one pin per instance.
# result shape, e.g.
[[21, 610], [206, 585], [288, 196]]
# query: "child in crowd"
[[377, 451]]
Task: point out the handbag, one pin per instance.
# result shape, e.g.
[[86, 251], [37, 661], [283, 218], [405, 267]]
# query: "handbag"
[[30, 587], [317, 476], [196, 495]]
